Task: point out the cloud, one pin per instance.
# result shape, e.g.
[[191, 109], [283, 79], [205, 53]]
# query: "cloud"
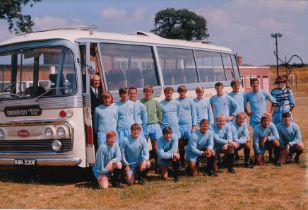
[[140, 13], [246, 25], [113, 13]]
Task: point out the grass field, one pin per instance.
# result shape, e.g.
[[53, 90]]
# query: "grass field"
[[264, 187]]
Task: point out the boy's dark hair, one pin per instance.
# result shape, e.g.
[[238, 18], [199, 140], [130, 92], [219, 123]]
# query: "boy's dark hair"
[[168, 89], [135, 126], [182, 88], [122, 90], [234, 82], [167, 130], [132, 88], [265, 117], [148, 87], [219, 84], [285, 115], [252, 80], [204, 121]]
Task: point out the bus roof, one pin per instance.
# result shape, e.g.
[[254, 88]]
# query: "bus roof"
[[75, 35]]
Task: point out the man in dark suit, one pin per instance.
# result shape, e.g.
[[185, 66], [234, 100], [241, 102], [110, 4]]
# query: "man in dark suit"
[[95, 92]]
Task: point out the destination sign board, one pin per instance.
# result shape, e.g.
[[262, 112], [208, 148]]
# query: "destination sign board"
[[17, 111]]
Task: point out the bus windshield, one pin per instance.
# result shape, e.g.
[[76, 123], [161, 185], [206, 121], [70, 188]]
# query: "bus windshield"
[[37, 72]]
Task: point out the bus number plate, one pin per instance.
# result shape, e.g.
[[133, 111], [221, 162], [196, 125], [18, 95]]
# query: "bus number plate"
[[17, 111], [23, 162]]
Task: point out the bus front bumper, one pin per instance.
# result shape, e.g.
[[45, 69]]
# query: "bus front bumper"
[[67, 161]]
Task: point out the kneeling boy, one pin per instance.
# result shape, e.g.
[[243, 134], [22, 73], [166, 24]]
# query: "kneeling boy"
[[201, 146], [108, 162], [135, 155], [290, 138], [265, 136], [241, 137], [223, 141], [167, 152]]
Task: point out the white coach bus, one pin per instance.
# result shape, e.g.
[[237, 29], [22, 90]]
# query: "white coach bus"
[[45, 107]]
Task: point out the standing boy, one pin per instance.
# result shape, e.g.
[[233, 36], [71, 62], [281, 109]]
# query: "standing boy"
[[126, 114], [171, 110], [105, 118], [237, 95], [223, 104], [203, 107], [257, 101], [141, 113], [187, 121], [285, 99], [154, 118]]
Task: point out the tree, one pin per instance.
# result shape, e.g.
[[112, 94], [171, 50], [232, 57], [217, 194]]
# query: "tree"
[[10, 10], [180, 24]]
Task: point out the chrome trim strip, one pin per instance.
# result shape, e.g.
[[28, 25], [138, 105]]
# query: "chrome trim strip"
[[69, 161], [47, 103]]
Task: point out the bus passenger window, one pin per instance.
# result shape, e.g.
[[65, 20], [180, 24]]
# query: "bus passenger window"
[[210, 66], [128, 65], [177, 65]]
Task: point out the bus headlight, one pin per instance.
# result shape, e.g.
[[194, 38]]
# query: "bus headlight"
[[48, 132], [56, 145], [61, 132], [1, 134]]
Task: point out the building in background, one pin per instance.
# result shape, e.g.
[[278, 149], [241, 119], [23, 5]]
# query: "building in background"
[[249, 72]]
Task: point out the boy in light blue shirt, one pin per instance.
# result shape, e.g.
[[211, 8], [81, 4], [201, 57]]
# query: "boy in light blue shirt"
[[187, 121], [240, 135], [237, 95], [265, 136], [290, 139], [223, 104], [201, 145], [203, 106], [105, 118], [141, 112], [108, 162], [171, 111], [257, 101], [135, 155], [126, 114], [223, 142], [167, 152]]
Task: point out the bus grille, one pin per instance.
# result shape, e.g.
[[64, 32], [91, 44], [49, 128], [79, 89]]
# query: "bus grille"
[[7, 146]]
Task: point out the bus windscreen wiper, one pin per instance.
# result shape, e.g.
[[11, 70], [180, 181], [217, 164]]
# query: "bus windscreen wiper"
[[5, 89]]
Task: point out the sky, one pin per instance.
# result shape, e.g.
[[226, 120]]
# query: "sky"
[[245, 26]]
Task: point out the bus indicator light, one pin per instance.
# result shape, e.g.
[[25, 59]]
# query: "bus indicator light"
[[62, 113]]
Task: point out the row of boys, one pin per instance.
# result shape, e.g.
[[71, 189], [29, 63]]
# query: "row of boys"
[[186, 121]]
